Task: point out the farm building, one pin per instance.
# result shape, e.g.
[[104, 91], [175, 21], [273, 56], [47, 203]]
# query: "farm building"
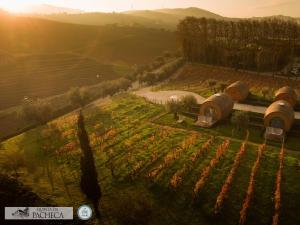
[[278, 119], [288, 94], [214, 109], [238, 91]]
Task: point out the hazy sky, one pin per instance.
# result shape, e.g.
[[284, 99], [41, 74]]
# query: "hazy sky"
[[230, 8]]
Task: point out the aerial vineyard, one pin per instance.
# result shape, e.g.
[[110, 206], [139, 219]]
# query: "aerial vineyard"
[[225, 188], [243, 212], [193, 78], [207, 175], [47, 75], [277, 194]]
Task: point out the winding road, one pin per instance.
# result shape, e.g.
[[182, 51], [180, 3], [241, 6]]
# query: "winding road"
[[161, 97]]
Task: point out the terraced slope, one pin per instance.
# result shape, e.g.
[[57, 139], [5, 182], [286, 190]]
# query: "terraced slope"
[[46, 75]]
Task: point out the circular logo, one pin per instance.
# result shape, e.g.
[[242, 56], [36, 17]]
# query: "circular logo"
[[84, 212]]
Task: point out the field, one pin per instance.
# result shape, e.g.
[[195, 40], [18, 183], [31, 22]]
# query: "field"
[[40, 76], [194, 78], [41, 58], [151, 173]]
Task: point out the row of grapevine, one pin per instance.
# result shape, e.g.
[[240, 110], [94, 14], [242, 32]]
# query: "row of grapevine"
[[204, 148], [174, 154], [250, 190], [277, 194], [177, 178], [138, 166], [206, 171], [226, 186], [136, 144], [155, 154], [102, 140], [190, 74]]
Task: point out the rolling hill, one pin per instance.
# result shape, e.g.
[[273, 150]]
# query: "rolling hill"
[[112, 43], [101, 18], [41, 58], [161, 18], [50, 74]]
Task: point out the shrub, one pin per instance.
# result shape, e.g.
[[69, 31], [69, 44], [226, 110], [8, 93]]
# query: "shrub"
[[188, 102], [240, 119], [78, 96], [36, 110], [174, 107], [222, 86], [212, 84], [161, 74]]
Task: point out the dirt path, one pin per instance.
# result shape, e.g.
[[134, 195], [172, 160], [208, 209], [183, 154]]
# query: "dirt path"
[[161, 97]]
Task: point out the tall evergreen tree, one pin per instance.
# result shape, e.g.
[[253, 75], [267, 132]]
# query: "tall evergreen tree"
[[89, 177]]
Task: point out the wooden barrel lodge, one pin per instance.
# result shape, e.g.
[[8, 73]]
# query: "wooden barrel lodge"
[[238, 91], [288, 94], [279, 118], [215, 108]]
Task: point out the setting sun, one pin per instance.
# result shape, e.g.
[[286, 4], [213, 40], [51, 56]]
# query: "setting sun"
[[15, 7]]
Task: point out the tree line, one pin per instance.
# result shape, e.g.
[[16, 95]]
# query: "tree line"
[[262, 45]]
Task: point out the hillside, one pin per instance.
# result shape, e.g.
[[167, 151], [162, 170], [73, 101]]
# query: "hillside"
[[50, 74], [128, 45], [40, 58], [162, 18], [192, 11], [174, 172], [100, 18]]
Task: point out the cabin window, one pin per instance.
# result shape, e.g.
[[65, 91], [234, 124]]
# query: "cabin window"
[[277, 123]]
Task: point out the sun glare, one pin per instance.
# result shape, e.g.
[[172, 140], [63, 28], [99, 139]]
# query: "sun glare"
[[14, 7]]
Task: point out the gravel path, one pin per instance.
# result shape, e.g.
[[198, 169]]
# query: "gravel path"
[[161, 97]]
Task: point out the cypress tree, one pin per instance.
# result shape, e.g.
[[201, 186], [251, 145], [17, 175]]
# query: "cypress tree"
[[89, 177]]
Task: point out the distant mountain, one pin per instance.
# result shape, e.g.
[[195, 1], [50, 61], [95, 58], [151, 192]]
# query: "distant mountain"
[[162, 18], [110, 43], [171, 17], [192, 11], [50, 9], [99, 19]]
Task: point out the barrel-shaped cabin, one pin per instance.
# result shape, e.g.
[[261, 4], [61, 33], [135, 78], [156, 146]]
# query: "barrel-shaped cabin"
[[215, 108], [288, 94], [238, 91], [279, 118]]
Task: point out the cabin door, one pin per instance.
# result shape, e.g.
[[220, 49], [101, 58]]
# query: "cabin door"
[[210, 112], [277, 123]]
